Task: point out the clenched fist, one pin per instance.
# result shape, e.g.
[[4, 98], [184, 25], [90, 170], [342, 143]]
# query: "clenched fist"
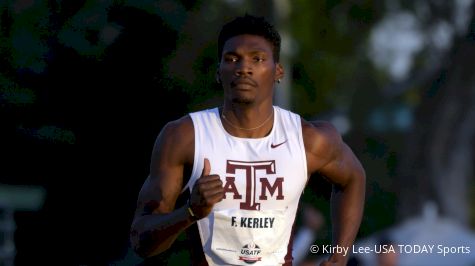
[[207, 191]]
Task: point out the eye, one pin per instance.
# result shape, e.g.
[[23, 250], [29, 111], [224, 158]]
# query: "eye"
[[258, 59], [230, 59]]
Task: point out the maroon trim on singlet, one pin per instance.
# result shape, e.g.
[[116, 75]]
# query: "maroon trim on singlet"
[[196, 249], [288, 257]]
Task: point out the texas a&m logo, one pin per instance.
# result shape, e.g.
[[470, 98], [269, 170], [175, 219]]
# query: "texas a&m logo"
[[255, 173]]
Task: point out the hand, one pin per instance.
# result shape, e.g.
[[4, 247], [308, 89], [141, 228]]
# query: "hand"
[[207, 191], [333, 261], [328, 263]]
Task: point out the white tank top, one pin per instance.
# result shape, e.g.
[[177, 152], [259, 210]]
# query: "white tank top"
[[263, 179]]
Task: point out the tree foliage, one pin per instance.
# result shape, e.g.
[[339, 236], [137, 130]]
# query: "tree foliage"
[[77, 76]]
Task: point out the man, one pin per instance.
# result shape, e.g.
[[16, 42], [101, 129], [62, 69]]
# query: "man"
[[249, 163]]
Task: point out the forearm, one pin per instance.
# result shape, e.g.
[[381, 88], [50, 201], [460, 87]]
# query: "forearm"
[[155, 233], [347, 211]]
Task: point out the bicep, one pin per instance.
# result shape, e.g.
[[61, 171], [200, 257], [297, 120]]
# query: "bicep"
[[342, 167], [329, 155]]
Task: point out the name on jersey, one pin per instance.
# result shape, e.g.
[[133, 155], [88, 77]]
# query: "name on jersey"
[[251, 222]]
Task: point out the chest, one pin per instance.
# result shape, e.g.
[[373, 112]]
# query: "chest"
[[264, 176]]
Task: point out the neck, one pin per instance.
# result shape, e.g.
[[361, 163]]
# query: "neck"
[[246, 121]]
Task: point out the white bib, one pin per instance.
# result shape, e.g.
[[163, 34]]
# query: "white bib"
[[241, 237]]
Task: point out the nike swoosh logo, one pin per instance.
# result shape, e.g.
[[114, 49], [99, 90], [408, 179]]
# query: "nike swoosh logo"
[[277, 145]]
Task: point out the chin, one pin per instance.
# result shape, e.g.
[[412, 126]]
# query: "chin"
[[240, 100]]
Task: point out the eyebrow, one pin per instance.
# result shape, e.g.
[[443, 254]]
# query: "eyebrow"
[[253, 52]]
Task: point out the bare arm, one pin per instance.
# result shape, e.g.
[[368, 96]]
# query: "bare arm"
[[328, 155], [157, 222]]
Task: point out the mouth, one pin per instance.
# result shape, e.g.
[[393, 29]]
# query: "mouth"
[[243, 82]]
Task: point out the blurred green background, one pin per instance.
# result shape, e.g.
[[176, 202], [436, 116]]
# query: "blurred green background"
[[84, 87]]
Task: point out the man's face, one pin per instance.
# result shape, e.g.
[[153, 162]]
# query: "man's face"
[[247, 69]]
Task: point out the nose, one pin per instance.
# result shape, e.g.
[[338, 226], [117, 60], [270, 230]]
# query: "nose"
[[243, 68]]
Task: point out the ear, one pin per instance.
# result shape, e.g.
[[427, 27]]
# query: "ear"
[[279, 71]]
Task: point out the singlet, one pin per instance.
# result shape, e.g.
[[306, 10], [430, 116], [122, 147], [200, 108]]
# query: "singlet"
[[263, 180]]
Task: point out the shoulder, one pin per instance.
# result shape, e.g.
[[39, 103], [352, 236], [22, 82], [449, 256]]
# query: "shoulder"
[[177, 137], [318, 133], [180, 126], [322, 143]]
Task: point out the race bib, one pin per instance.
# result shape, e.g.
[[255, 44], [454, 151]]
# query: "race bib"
[[243, 237]]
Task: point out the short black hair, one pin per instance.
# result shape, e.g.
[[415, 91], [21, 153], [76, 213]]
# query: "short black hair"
[[249, 24]]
